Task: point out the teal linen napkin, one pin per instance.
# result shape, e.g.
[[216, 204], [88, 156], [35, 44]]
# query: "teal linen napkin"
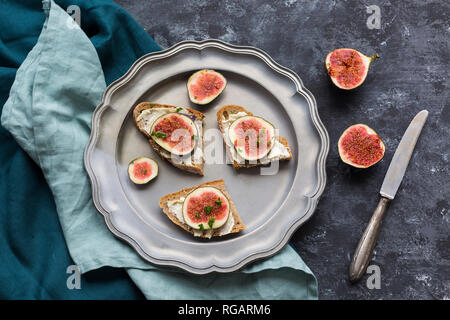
[[49, 114], [33, 251]]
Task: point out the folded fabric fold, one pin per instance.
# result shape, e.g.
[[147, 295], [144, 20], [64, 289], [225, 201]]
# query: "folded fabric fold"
[[49, 114]]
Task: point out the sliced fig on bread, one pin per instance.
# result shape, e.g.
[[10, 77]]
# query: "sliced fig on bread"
[[205, 210], [253, 137], [175, 133], [250, 140]]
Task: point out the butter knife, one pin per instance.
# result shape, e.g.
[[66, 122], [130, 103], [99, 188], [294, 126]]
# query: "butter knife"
[[391, 182]]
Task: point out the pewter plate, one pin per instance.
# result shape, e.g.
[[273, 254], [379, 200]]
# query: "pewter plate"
[[271, 206]]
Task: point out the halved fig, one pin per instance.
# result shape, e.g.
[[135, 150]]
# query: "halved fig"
[[205, 85], [175, 132], [142, 170], [252, 137], [348, 68], [206, 208], [360, 146]]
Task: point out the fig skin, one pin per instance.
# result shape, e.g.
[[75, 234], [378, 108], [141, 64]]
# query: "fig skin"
[[348, 161], [366, 62]]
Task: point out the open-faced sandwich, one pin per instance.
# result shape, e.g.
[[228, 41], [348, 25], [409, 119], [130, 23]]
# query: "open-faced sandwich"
[[176, 133], [205, 210], [250, 140]]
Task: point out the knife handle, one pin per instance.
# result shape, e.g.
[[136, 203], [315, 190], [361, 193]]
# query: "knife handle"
[[363, 252]]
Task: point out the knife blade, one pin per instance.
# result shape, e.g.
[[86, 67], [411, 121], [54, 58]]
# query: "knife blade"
[[402, 155], [391, 183]]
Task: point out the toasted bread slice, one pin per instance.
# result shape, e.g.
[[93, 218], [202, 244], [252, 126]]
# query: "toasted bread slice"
[[222, 115], [196, 166], [219, 184]]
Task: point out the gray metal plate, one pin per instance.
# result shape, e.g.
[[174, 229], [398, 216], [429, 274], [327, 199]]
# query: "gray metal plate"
[[271, 206]]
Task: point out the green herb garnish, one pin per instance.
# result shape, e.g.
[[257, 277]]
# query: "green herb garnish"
[[201, 226], [218, 202], [211, 222], [193, 137], [159, 134], [179, 109], [152, 105], [145, 171], [197, 215], [208, 209]]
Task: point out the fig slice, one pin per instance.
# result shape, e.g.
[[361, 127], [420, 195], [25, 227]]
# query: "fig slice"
[[142, 170], [252, 137], [205, 85], [175, 132], [360, 146], [206, 208], [348, 68]]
